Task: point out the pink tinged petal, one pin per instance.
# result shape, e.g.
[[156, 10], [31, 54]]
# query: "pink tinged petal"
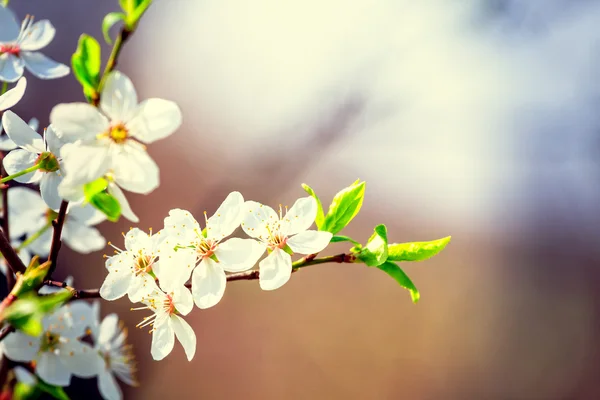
[[185, 335], [256, 218], [54, 143], [84, 163], [21, 133], [300, 217], [76, 121], [52, 370], [13, 96], [133, 168], [181, 225], [155, 119], [208, 283], [21, 347], [49, 189], [44, 67], [116, 284], [10, 28], [227, 218], [275, 270], [126, 210], [80, 358], [83, 239], [237, 255], [11, 68], [18, 160], [137, 240], [38, 36], [118, 99], [108, 386], [309, 242], [163, 340], [183, 300]]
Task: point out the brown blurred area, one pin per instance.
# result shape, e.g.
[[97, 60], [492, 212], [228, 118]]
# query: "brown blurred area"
[[508, 311]]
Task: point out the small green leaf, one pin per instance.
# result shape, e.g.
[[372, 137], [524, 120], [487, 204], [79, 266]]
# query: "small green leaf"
[[393, 270], [140, 8], [341, 238], [24, 391], [108, 22], [127, 5], [86, 64], [344, 207], [50, 302], [93, 188], [108, 205], [375, 251], [416, 251], [54, 391], [25, 315], [320, 214]]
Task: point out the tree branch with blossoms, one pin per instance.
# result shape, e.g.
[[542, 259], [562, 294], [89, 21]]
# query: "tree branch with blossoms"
[[84, 162]]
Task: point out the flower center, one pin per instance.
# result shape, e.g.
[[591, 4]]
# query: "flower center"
[[51, 215], [169, 304], [118, 134], [276, 238], [143, 264], [13, 49], [205, 248], [48, 162], [49, 341]]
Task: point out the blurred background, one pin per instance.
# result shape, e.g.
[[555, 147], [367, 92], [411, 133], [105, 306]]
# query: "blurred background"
[[477, 119]]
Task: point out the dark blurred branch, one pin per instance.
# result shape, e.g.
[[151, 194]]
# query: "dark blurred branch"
[[56, 241], [77, 294]]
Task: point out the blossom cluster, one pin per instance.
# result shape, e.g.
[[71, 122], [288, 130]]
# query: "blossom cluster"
[[154, 268]]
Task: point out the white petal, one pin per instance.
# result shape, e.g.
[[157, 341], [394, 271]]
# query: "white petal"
[[183, 300], [134, 170], [182, 225], [174, 267], [275, 270], [108, 386], [85, 214], [49, 189], [163, 340], [10, 27], [11, 67], [83, 239], [237, 255], [256, 218], [84, 163], [81, 359], [14, 95], [33, 123], [38, 36], [51, 369], [44, 67], [70, 320], [21, 347], [185, 335], [137, 240], [41, 245], [208, 283], [5, 143], [53, 141], [141, 285], [227, 218], [21, 133], [24, 376], [300, 217], [155, 119], [116, 284], [76, 121], [309, 242], [71, 191], [18, 160], [126, 210], [118, 99], [108, 329]]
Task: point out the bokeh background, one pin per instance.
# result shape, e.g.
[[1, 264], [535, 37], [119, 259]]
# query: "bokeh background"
[[477, 119]]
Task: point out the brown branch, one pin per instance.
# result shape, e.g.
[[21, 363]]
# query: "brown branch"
[[56, 242], [77, 294], [4, 332], [10, 255]]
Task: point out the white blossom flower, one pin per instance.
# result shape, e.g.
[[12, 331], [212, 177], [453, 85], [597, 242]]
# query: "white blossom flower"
[[24, 208], [14, 95], [19, 48], [109, 141], [213, 255], [57, 352], [166, 321], [24, 376], [130, 270], [283, 235], [110, 341], [6, 144], [34, 151], [24, 255]]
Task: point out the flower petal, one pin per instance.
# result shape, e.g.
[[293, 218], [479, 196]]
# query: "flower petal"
[[84, 163], [183, 300], [155, 119], [81, 359], [76, 121], [309, 242], [137, 240], [237, 255], [182, 225], [109, 327], [175, 266], [227, 218], [163, 340], [51, 369], [21, 133], [38, 36], [41, 245], [24, 376], [140, 286], [116, 284], [10, 27], [18, 160], [108, 386], [21, 347], [85, 214], [118, 99], [134, 170], [300, 217], [256, 218], [185, 335], [11, 68], [53, 141], [5, 143], [275, 270], [126, 210], [49, 189], [83, 239], [14, 95], [44, 67], [208, 283]]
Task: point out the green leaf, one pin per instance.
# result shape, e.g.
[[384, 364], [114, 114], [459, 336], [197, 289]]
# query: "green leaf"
[[393, 270], [25, 314], [54, 391], [24, 391], [140, 8], [108, 205], [344, 207], [416, 251], [50, 302], [375, 251], [341, 238], [93, 188], [86, 64], [320, 214], [108, 22]]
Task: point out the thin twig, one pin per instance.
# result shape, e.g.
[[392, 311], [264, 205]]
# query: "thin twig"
[[77, 294], [56, 241], [10, 255]]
